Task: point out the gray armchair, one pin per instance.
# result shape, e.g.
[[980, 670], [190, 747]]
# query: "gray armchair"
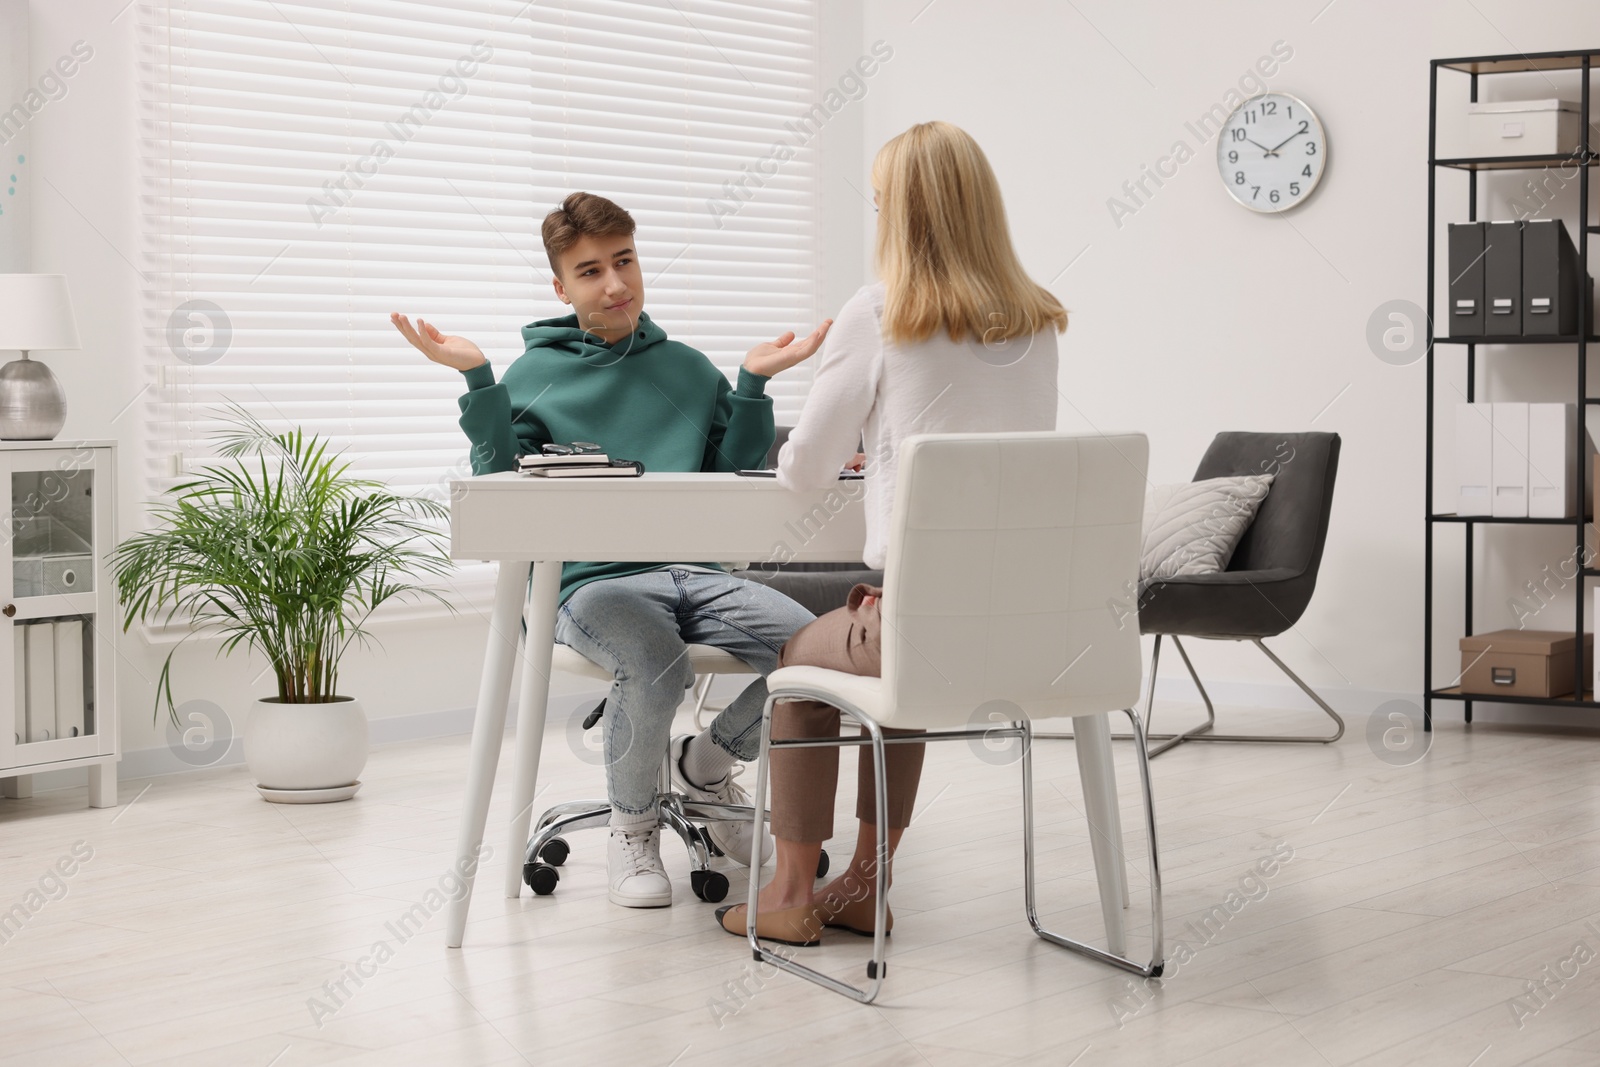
[[1269, 580]]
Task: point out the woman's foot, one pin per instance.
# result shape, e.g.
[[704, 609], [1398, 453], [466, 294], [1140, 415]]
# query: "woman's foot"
[[857, 916], [800, 927], [778, 895], [849, 902]]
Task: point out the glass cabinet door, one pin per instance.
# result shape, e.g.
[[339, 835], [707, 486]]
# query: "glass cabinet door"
[[52, 532], [53, 607]]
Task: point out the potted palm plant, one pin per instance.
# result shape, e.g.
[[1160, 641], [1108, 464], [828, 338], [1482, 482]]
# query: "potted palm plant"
[[284, 553]]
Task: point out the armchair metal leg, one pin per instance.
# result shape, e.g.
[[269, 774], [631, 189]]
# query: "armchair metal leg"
[[1157, 962], [1204, 732], [1172, 740]]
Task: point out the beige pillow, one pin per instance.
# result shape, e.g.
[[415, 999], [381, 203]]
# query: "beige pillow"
[[1193, 527]]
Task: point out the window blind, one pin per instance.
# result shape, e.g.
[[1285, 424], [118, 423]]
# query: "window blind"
[[309, 167]]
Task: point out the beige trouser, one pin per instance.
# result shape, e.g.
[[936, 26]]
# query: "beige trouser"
[[804, 780]]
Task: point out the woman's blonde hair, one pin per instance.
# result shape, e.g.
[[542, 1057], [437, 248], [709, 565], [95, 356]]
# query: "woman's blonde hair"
[[944, 252]]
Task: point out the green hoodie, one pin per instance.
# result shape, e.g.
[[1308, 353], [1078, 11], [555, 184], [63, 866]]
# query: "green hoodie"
[[644, 397]]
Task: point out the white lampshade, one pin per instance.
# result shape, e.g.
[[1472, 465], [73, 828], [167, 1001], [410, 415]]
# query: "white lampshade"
[[36, 313]]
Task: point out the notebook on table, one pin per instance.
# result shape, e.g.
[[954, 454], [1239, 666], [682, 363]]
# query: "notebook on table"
[[616, 468], [584, 459]]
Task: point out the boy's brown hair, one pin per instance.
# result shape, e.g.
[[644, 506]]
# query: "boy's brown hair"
[[582, 215]]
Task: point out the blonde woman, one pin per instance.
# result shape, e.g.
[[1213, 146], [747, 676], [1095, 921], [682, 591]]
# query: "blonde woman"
[[954, 337]]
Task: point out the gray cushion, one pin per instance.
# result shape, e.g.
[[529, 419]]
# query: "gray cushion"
[[1194, 527]]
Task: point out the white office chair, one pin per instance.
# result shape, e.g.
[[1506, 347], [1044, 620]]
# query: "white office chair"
[[548, 849], [1005, 553]]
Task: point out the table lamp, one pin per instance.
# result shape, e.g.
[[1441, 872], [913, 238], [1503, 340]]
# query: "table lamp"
[[35, 314]]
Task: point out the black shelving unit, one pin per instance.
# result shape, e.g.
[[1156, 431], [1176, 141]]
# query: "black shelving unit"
[[1474, 67]]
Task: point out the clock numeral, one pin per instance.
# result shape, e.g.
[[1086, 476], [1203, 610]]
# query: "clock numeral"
[[1294, 188], [1238, 177], [1304, 126], [1250, 116], [1238, 134], [1291, 111], [1273, 196], [1255, 190], [1305, 172], [1233, 157], [1311, 148], [1269, 107]]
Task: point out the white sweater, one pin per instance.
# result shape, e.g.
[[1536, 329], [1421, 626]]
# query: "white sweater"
[[865, 384]]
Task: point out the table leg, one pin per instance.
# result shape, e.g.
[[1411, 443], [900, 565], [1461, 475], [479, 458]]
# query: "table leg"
[[532, 701], [488, 724], [1095, 767]]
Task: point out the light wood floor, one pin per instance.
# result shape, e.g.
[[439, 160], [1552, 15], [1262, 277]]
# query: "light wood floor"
[[1418, 904]]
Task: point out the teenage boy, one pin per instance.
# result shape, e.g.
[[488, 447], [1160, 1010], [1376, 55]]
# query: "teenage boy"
[[608, 374]]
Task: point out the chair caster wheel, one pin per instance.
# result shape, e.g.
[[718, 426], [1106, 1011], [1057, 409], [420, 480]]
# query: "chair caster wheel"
[[555, 851], [709, 886], [541, 878], [822, 864]]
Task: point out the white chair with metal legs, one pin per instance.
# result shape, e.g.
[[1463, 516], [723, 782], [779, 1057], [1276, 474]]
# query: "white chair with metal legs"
[[548, 848], [1007, 553]]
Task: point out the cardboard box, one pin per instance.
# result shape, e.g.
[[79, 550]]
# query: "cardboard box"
[[1524, 663], [1522, 128]]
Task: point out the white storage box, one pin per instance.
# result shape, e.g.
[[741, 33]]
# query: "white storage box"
[[1523, 128], [48, 558]]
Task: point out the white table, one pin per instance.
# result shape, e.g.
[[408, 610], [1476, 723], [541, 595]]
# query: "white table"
[[518, 521]]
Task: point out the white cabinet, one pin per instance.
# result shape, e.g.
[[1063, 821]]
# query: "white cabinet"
[[58, 615]]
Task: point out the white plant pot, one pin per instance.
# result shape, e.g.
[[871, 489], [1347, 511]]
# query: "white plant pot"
[[306, 753]]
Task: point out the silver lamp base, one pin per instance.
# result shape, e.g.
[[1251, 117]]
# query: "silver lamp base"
[[32, 405]]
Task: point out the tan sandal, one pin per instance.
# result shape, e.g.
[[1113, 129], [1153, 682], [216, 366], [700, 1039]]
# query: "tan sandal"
[[800, 927]]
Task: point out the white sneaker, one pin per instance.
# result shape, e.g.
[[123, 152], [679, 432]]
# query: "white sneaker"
[[733, 838], [633, 862]]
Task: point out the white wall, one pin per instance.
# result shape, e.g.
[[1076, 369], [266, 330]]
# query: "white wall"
[[1191, 317], [1195, 315]]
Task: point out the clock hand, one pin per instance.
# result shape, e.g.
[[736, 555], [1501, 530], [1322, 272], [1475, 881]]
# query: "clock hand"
[[1261, 146], [1286, 140]]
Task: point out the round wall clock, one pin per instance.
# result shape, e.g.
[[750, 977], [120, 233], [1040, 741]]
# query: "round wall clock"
[[1271, 152]]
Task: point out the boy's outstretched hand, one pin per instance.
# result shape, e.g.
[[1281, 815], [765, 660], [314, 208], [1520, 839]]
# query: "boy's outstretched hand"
[[771, 357], [456, 352]]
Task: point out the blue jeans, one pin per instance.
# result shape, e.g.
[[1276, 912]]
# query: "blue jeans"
[[638, 627]]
